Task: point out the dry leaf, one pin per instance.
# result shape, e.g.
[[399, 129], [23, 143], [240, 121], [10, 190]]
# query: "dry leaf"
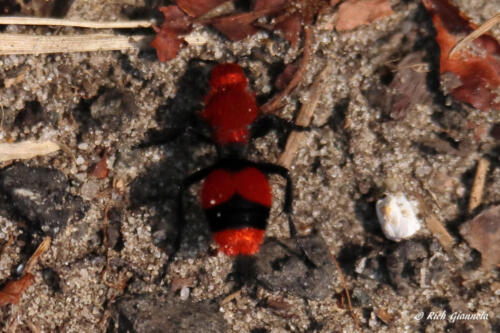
[[236, 27], [11, 293], [26, 149], [476, 69], [385, 316], [197, 8], [354, 13], [101, 168], [408, 88], [291, 28], [167, 41], [483, 234]]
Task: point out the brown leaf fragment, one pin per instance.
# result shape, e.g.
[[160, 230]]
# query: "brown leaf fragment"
[[11, 293], [275, 5], [291, 27], [175, 19], [236, 27], [476, 67], [383, 315], [483, 234], [197, 8], [101, 168], [278, 304], [354, 13], [167, 41], [167, 44], [408, 88]]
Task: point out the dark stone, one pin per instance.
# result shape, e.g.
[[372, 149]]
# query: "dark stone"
[[40, 196], [51, 278], [281, 265], [154, 313]]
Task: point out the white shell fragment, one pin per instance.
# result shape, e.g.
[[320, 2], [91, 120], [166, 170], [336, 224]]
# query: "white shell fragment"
[[397, 217]]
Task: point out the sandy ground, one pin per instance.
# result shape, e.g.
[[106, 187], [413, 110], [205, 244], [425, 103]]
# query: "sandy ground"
[[107, 102]]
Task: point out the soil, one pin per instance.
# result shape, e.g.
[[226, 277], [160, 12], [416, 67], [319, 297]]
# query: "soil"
[[112, 232]]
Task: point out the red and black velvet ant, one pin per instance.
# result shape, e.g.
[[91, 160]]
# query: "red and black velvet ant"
[[236, 196]]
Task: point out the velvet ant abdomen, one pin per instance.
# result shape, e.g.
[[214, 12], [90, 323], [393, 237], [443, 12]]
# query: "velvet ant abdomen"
[[237, 205], [220, 185]]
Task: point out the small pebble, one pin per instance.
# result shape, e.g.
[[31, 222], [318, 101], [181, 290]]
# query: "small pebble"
[[83, 146], [80, 160], [184, 293]]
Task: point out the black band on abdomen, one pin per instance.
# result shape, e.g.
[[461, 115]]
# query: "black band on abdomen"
[[237, 213]]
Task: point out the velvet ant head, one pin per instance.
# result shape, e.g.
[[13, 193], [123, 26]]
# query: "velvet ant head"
[[230, 109], [227, 76]]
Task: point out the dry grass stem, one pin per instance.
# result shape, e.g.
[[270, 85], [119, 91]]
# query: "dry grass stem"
[[16, 20], [26, 150], [476, 193], [306, 112], [27, 44], [42, 248], [485, 27]]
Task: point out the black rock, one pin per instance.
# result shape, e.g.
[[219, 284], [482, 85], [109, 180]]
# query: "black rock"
[[40, 196], [51, 278], [153, 313], [281, 266]]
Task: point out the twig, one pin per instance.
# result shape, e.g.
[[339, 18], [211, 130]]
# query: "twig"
[[230, 297], [439, 231], [485, 27], [105, 227], [476, 193], [42, 248], [27, 44], [275, 103], [3, 115], [344, 284], [16, 20], [303, 119]]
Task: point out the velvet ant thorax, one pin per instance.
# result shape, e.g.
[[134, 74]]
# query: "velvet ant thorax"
[[227, 76]]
